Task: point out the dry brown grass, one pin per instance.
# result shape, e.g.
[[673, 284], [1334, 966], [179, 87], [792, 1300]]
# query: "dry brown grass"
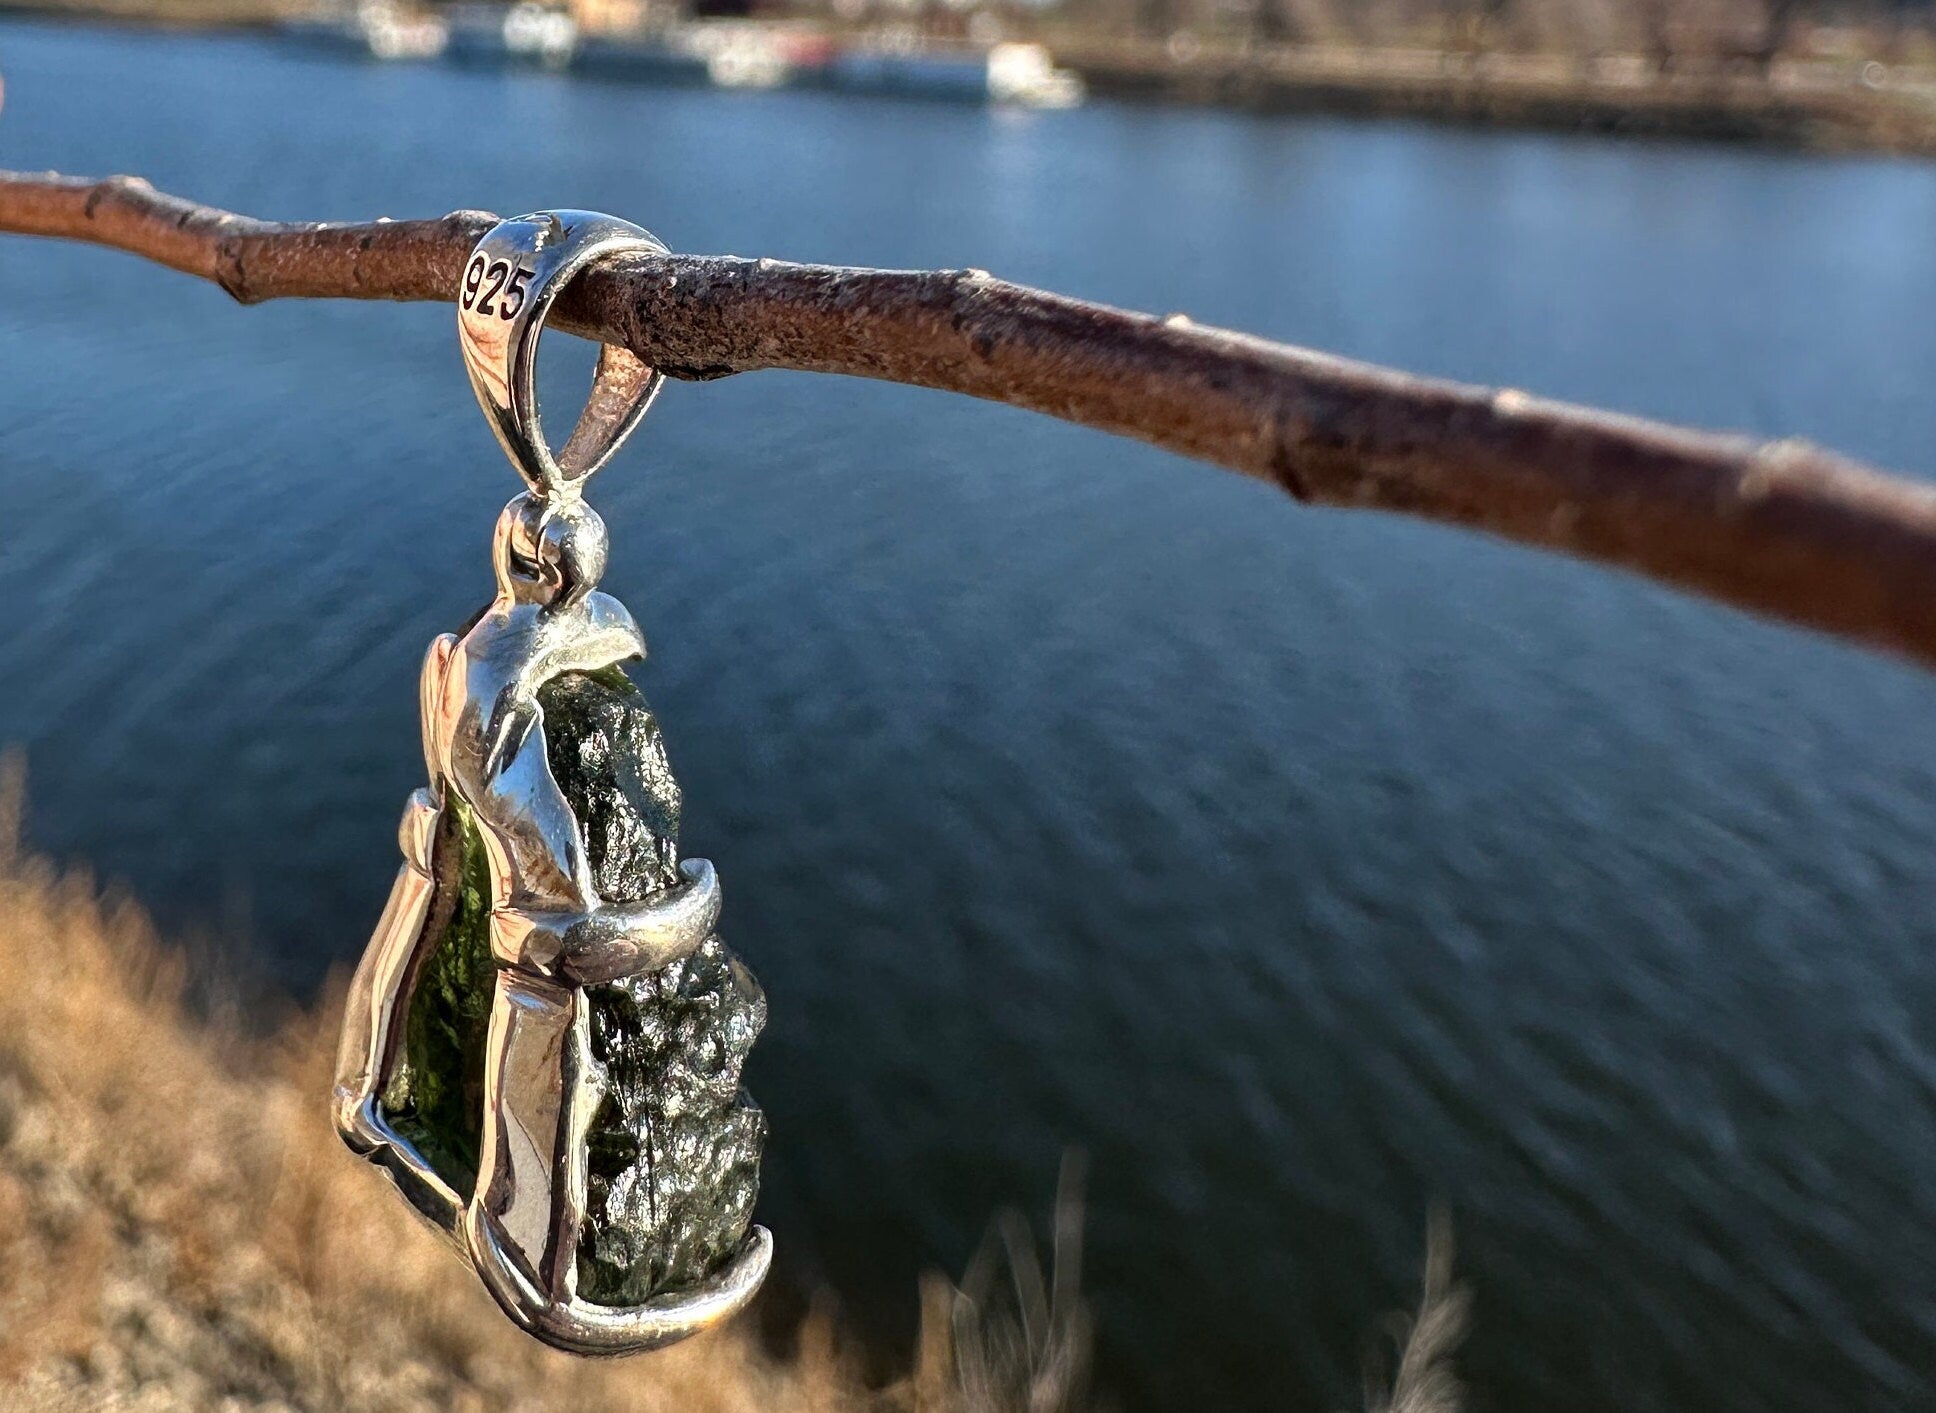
[[246, 1262], [1425, 1381]]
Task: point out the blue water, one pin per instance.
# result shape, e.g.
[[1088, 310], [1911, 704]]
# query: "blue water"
[[1302, 866]]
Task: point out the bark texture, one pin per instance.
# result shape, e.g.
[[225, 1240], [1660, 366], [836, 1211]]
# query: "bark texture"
[[1780, 528]]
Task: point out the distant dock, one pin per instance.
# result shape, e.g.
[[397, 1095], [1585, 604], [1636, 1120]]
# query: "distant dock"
[[736, 54]]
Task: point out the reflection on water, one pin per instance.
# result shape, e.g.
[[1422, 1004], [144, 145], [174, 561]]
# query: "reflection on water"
[[1302, 866]]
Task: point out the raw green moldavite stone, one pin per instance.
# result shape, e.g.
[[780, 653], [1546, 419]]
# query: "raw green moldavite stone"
[[674, 1152], [437, 1098], [674, 1148]]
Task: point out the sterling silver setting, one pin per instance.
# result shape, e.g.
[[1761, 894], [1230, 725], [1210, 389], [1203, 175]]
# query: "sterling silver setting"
[[551, 934]]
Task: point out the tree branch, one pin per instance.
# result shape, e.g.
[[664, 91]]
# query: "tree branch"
[[1779, 528]]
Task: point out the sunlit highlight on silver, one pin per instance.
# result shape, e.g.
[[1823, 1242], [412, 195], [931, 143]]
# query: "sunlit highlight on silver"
[[551, 934]]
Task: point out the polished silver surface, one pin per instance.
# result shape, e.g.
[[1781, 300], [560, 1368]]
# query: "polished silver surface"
[[551, 934], [510, 281]]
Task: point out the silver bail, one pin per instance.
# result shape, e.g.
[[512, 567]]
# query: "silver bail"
[[514, 275]]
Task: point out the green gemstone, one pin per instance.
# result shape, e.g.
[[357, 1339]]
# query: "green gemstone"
[[674, 1148], [437, 1098]]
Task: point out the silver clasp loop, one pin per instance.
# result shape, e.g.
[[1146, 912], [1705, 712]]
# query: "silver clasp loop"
[[514, 274]]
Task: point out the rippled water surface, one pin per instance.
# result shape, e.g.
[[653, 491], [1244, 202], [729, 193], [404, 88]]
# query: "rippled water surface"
[[1301, 866]]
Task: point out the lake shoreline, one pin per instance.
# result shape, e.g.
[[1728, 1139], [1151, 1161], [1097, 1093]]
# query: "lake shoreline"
[[1818, 108], [1805, 112]]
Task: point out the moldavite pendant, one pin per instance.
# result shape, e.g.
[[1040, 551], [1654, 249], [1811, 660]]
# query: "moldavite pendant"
[[543, 1042]]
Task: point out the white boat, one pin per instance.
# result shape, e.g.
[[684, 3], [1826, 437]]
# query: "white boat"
[[723, 53], [741, 55], [525, 34], [377, 28], [1024, 75]]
